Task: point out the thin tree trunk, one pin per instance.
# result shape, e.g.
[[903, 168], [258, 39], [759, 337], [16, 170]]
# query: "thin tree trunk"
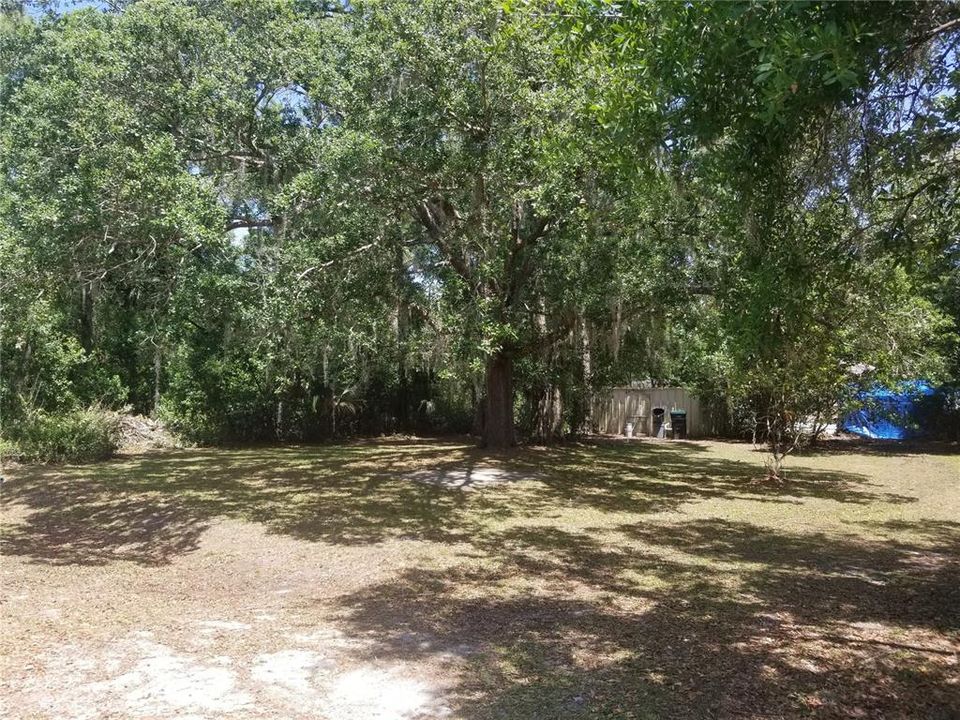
[[587, 362], [479, 408], [327, 389], [88, 299], [157, 371], [617, 329], [540, 396], [333, 412], [498, 424], [555, 414], [401, 319]]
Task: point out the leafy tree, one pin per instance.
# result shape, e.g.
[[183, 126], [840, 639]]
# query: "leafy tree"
[[478, 139], [759, 105], [277, 219]]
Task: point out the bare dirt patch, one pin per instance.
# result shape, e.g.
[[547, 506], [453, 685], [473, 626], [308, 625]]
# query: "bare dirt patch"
[[468, 479], [236, 628]]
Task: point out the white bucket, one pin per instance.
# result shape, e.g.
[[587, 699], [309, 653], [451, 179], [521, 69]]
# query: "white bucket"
[[629, 432]]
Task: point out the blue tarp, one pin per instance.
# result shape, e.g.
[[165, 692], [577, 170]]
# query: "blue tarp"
[[887, 414]]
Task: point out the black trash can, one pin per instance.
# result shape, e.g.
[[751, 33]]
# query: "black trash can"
[[658, 422], [678, 424]]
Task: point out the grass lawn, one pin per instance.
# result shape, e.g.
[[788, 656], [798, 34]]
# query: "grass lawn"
[[399, 580]]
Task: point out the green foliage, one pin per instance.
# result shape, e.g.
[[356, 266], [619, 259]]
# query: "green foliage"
[[71, 437], [277, 220], [939, 413], [808, 131], [8, 450]]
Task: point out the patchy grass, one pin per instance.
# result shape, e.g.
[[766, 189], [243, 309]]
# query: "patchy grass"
[[423, 579]]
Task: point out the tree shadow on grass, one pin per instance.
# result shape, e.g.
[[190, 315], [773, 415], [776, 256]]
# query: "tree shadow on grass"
[[651, 476], [153, 508], [638, 618], [851, 579], [728, 621], [870, 446]]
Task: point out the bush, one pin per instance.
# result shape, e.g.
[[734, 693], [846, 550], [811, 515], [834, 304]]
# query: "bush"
[[939, 414], [8, 450], [75, 436]]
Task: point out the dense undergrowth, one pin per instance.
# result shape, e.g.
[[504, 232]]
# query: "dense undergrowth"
[[75, 436]]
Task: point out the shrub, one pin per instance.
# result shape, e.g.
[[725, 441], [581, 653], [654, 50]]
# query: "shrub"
[[8, 450], [75, 436], [939, 414]]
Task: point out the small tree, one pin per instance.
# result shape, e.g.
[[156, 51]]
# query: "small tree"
[[802, 309]]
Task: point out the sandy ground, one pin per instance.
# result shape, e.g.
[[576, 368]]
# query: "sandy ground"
[[236, 628]]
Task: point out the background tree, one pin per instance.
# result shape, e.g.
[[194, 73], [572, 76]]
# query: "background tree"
[[771, 112], [269, 219]]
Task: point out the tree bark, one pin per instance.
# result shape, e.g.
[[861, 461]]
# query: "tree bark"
[[479, 408], [615, 338], [549, 413], [157, 372], [401, 319], [586, 358], [88, 300], [498, 423]]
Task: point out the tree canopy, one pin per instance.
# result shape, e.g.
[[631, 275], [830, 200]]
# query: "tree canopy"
[[286, 219]]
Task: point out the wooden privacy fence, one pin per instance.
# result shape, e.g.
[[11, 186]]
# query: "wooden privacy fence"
[[618, 406]]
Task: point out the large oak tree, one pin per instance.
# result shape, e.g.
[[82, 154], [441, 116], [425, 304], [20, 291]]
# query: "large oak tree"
[[479, 139]]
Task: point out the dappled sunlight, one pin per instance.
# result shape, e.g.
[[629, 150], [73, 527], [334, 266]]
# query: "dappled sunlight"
[[802, 626], [151, 508], [423, 580]]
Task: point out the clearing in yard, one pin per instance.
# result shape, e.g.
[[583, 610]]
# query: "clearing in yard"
[[422, 579]]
